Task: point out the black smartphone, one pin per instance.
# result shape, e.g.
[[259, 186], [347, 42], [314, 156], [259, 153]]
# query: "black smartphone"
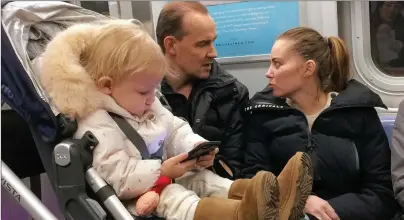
[[202, 149]]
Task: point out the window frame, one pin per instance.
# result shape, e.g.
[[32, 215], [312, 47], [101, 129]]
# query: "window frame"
[[113, 6], [362, 56], [127, 13], [126, 9]]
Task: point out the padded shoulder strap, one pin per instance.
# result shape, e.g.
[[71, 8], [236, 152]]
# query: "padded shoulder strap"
[[132, 135]]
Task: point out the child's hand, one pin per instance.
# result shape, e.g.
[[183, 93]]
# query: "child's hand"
[[173, 167], [207, 161]]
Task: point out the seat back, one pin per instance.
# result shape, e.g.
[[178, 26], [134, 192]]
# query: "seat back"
[[388, 123], [18, 147]]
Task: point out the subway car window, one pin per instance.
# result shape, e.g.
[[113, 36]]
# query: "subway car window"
[[387, 36], [141, 10], [97, 6]]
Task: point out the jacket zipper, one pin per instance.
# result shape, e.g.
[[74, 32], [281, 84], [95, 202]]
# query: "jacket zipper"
[[309, 148], [198, 119]]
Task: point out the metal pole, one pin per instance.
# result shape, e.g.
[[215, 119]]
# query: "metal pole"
[[23, 195], [112, 203]]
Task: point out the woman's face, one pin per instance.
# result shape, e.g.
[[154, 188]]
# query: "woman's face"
[[389, 11], [287, 70]]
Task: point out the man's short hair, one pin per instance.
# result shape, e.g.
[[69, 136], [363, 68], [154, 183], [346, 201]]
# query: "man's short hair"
[[170, 19]]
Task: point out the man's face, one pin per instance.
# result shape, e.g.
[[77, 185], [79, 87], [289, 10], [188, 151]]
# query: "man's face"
[[389, 11], [195, 52]]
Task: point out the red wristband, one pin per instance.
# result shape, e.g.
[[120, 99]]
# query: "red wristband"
[[160, 184]]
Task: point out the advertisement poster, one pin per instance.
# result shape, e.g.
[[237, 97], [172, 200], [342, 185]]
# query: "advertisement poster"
[[250, 28]]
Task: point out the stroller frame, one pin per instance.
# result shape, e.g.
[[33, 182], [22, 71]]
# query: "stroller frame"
[[67, 161], [70, 156], [75, 156], [23, 195]]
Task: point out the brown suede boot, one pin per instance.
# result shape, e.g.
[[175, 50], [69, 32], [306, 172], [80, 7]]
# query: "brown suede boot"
[[295, 183], [260, 202], [238, 188]]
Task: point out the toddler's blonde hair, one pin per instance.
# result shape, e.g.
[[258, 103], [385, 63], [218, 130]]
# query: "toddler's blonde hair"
[[122, 48]]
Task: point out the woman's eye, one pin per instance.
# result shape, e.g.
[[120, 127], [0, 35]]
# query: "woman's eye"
[[276, 64]]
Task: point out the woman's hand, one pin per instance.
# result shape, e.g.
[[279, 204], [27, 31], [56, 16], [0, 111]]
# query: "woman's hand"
[[320, 209], [207, 160]]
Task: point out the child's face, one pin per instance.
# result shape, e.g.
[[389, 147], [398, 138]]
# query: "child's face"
[[136, 93]]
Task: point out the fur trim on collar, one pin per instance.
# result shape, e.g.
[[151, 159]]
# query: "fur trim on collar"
[[70, 89]]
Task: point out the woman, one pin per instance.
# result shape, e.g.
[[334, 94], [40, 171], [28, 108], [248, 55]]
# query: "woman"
[[387, 33], [311, 105]]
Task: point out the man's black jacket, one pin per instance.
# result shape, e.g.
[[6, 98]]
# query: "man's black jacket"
[[214, 111]]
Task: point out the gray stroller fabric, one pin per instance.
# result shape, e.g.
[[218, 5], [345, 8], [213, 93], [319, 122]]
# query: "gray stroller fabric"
[[31, 24]]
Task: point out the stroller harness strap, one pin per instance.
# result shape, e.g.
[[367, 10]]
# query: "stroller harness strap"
[[135, 138]]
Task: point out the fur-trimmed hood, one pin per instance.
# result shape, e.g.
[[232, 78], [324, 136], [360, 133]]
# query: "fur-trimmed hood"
[[69, 87]]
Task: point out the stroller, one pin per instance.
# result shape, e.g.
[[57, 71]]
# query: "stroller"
[[81, 192]]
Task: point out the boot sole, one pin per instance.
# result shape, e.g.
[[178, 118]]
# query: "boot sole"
[[268, 197], [304, 182]]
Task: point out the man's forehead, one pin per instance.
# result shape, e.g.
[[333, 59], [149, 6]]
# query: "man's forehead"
[[200, 25]]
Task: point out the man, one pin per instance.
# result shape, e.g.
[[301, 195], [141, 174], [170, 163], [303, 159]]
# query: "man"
[[397, 155], [196, 87]]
